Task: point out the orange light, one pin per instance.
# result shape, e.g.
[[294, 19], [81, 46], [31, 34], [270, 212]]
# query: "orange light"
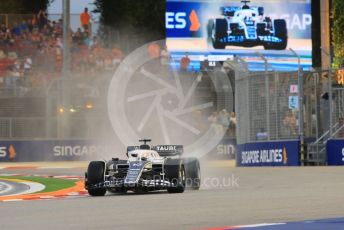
[[61, 110], [89, 106], [340, 76]]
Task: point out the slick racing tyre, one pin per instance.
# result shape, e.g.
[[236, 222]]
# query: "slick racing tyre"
[[281, 32], [193, 173], [95, 175], [219, 31], [175, 174]]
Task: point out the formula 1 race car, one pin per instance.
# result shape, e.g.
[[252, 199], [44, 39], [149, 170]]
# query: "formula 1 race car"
[[246, 26], [147, 168]]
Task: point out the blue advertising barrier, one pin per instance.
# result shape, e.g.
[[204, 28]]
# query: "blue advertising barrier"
[[279, 153], [74, 150], [51, 150], [335, 152]]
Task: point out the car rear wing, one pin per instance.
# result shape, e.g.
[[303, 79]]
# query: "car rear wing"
[[163, 150], [229, 10], [169, 150]]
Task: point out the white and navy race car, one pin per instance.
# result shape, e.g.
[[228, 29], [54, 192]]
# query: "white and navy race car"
[[147, 168], [247, 26]]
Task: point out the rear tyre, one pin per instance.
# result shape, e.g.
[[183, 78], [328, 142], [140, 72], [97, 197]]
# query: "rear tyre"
[[95, 175], [193, 174], [175, 174]]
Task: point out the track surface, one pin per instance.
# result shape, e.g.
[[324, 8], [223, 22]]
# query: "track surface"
[[263, 195]]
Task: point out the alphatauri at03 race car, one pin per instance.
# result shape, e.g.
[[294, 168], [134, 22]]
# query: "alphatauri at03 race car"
[[246, 26], [147, 168]]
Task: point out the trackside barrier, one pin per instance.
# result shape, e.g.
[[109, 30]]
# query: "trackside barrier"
[[51, 150], [279, 153], [79, 150], [225, 150], [335, 152]]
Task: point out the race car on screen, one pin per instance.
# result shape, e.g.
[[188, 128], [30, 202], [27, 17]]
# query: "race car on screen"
[[147, 168], [247, 26]]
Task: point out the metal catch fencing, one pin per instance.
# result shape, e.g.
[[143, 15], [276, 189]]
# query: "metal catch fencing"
[[329, 115], [304, 105], [76, 107], [269, 106], [270, 102]]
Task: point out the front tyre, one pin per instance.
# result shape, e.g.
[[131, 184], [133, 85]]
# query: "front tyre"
[[219, 31], [175, 174], [281, 32], [95, 175]]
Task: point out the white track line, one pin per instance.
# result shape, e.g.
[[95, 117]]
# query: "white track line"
[[12, 200], [259, 225], [7, 187], [33, 187]]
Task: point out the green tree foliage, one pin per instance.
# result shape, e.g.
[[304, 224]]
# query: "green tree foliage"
[[338, 32], [22, 6], [144, 18]]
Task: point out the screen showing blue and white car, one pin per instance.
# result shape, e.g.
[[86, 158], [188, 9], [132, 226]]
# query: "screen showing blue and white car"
[[218, 30]]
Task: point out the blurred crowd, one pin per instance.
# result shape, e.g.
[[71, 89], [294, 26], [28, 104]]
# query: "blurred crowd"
[[223, 121], [31, 51]]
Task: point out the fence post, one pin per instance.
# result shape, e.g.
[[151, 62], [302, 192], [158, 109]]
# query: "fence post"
[[300, 83], [243, 129], [11, 127], [66, 26], [267, 94], [66, 88], [6, 20], [276, 78], [330, 97], [315, 77], [301, 123], [328, 54]]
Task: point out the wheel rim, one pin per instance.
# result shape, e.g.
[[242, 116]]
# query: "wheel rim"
[[213, 33], [182, 176]]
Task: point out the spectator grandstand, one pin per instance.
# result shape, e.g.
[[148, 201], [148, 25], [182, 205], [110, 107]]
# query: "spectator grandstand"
[[31, 52]]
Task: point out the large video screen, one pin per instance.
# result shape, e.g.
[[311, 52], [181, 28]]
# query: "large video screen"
[[210, 31]]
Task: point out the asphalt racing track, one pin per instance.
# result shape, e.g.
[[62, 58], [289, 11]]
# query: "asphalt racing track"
[[229, 196]]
